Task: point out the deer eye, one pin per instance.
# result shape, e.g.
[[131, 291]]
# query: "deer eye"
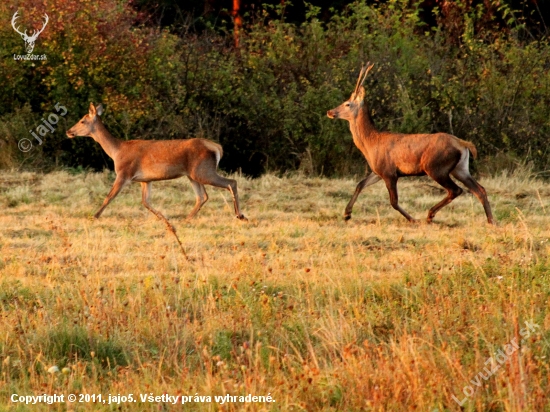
[[348, 104]]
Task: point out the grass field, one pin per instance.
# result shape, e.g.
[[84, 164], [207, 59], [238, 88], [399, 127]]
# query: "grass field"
[[322, 315]]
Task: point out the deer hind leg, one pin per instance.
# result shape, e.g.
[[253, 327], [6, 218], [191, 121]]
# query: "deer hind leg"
[[462, 173], [206, 174], [453, 191], [201, 197], [117, 187], [391, 184], [145, 193], [369, 180]]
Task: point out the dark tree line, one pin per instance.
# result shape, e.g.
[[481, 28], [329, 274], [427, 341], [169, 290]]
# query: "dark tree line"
[[165, 69], [534, 13]]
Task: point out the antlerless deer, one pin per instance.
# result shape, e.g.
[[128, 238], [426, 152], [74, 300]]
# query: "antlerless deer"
[[145, 161], [393, 155]]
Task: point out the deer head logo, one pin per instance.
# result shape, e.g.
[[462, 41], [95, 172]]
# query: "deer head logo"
[[29, 40]]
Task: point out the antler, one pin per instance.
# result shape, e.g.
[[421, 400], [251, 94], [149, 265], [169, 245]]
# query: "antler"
[[364, 72], [37, 32], [359, 79], [15, 16]]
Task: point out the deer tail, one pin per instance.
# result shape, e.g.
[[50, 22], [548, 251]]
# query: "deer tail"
[[470, 146], [214, 147]]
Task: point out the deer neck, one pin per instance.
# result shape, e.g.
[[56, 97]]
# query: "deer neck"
[[363, 131], [108, 142]]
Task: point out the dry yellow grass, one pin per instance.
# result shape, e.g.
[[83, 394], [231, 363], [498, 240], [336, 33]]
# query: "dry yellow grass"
[[373, 314]]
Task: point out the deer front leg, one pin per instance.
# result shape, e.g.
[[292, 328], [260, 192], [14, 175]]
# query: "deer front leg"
[[391, 184], [120, 182], [369, 180]]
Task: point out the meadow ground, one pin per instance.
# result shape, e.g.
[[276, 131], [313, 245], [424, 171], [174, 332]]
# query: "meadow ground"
[[322, 315]]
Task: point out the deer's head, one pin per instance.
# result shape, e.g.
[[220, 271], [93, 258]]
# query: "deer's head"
[[350, 108], [29, 40], [87, 125]]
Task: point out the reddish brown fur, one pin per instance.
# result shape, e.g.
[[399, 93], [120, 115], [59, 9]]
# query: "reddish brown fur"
[[393, 155], [146, 161]]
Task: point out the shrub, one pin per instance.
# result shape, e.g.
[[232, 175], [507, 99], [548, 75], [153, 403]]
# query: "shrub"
[[266, 101]]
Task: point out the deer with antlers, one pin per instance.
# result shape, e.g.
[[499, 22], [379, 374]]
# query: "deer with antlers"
[[394, 155], [146, 161], [29, 40]]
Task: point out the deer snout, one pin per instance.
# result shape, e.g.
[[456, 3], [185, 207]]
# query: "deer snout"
[[70, 134], [331, 114]]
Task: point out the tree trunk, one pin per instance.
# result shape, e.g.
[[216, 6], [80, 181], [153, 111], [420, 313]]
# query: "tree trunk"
[[237, 21]]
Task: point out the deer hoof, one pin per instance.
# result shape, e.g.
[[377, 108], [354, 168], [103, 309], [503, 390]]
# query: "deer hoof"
[[347, 217], [243, 218]]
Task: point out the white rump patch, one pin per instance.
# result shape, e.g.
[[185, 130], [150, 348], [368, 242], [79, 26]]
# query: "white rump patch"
[[462, 169]]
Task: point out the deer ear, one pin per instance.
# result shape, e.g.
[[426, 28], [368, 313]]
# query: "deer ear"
[[360, 95], [92, 112], [99, 109]]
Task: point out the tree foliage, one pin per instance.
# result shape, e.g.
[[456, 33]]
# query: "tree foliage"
[[486, 80]]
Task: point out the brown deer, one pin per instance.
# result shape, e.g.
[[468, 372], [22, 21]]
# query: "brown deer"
[[146, 161], [393, 155]]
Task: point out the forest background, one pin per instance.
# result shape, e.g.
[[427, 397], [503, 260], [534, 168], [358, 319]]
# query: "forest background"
[[259, 76]]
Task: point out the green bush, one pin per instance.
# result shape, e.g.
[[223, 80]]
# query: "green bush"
[[266, 102]]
